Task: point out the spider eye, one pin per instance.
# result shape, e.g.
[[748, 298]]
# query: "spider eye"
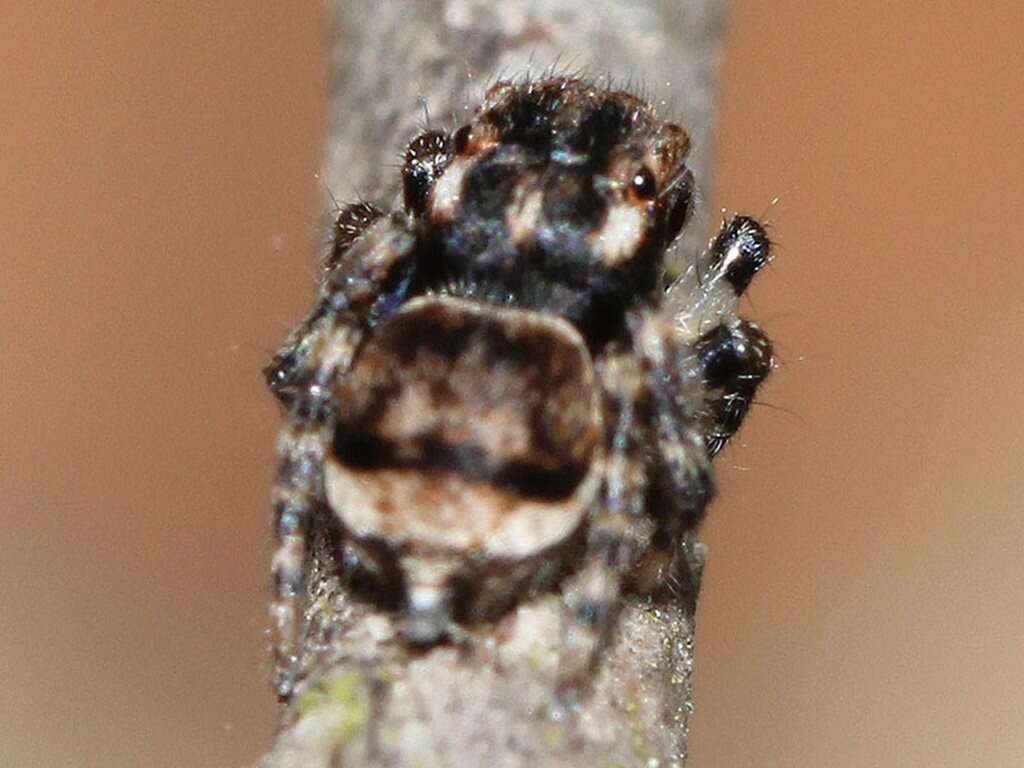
[[461, 139], [679, 208], [643, 185]]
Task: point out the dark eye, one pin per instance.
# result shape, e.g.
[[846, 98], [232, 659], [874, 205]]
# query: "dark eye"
[[461, 139], [679, 208], [643, 186]]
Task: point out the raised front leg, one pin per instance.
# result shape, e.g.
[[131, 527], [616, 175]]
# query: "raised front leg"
[[709, 290]]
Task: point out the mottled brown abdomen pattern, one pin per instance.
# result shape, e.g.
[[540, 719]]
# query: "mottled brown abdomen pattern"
[[462, 424]]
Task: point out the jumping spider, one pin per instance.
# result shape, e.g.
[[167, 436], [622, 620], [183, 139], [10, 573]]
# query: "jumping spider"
[[494, 389]]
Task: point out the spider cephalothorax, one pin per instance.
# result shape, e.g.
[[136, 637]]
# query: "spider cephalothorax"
[[493, 393]]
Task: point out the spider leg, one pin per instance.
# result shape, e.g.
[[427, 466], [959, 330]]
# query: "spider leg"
[[617, 533], [697, 373], [730, 356], [734, 358], [648, 503], [351, 223], [298, 490], [296, 495], [709, 290], [370, 282], [293, 360], [425, 160], [682, 468]]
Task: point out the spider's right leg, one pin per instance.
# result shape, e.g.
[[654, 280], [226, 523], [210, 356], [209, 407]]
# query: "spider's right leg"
[[375, 276]]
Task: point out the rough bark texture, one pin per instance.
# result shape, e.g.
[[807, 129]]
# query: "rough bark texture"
[[489, 702]]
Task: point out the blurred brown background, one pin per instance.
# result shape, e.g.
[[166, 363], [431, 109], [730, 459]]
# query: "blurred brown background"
[[863, 600]]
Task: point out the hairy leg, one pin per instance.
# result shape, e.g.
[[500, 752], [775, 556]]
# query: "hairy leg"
[[734, 358], [426, 158], [351, 223], [294, 357], [618, 530], [728, 356], [709, 290], [347, 303]]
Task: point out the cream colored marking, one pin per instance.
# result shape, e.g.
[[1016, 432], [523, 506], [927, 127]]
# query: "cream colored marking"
[[733, 254], [427, 597], [441, 510], [709, 307], [499, 430], [411, 413], [536, 526], [522, 220], [447, 192], [618, 239]]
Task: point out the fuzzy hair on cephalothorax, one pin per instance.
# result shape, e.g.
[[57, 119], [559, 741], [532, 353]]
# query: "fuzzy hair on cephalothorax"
[[494, 395]]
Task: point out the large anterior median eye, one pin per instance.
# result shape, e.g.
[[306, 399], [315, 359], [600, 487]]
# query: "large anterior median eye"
[[643, 185]]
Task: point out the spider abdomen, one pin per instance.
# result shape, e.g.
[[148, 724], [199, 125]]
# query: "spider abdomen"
[[466, 438]]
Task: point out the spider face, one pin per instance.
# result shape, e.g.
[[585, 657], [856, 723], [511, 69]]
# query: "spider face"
[[559, 197], [493, 394]]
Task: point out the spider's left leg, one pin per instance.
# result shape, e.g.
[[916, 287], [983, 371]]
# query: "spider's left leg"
[[617, 530], [426, 158], [350, 224], [294, 356], [370, 284], [297, 494]]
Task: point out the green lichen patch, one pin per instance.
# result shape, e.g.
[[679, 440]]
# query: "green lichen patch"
[[348, 694]]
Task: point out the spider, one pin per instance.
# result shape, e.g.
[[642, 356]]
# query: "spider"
[[497, 392]]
